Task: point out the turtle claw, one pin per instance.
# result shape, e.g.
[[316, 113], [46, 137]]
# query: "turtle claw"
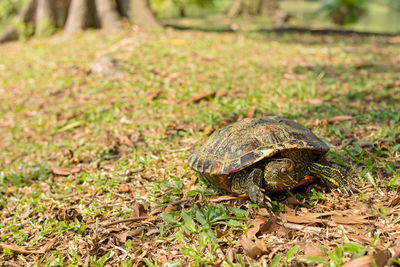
[[267, 201], [345, 190]]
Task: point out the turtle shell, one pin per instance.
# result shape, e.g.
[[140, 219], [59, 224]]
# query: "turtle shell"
[[246, 142]]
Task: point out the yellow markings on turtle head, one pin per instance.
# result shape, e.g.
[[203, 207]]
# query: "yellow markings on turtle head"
[[291, 178]]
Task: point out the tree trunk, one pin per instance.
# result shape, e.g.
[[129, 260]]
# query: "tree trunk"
[[123, 7], [252, 7], [45, 17], [107, 12], [26, 15], [92, 20], [235, 9], [143, 16], [182, 11], [75, 15], [76, 19], [268, 7]]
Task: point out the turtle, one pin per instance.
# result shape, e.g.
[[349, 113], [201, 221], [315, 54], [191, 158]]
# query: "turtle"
[[270, 154]]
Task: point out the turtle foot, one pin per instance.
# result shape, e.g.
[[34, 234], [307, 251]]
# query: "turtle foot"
[[258, 197]]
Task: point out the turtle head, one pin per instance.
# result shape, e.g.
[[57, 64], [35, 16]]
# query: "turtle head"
[[280, 174]]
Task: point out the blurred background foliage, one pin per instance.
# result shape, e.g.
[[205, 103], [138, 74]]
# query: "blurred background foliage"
[[9, 8], [361, 15]]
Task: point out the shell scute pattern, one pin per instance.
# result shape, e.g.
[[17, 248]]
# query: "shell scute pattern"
[[248, 141]]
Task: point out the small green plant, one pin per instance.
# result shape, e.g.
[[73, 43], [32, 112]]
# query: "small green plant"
[[343, 12], [392, 168], [10, 8], [201, 222], [315, 196], [181, 6], [150, 263], [102, 260], [337, 256], [169, 191], [277, 259]]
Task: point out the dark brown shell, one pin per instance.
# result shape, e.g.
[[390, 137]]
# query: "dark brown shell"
[[241, 144]]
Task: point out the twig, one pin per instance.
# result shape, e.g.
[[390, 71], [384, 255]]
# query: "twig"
[[126, 220], [26, 249], [178, 202], [123, 251], [87, 261], [61, 196], [116, 204], [299, 227]]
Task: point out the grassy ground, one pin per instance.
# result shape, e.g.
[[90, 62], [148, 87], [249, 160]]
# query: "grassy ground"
[[81, 151]]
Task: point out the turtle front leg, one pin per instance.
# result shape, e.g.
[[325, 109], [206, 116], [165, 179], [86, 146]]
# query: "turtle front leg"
[[250, 183]]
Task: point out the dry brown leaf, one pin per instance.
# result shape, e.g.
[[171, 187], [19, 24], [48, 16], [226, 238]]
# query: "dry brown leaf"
[[313, 250], [251, 112], [218, 264], [292, 200], [393, 84], [250, 248], [308, 219], [394, 251], [68, 215], [152, 231], [154, 95], [26, 213], [397, 138], [230, 252], [221, 232], [124, 140], [130, 220], [226, 198], [315, 101], [64, 171], [156, 211], [138, 211], [365, 261], [68, 153], [198, 97], [203, 96], [300, 227], [350, 219], [261, 244], [27, 250], [263, 212], [169, 208], [382, 257], [289, 211], [241, 117], [360, 239], [189, 186], [138, 256], [123, 188], [269, 227], [340, 118], [396, 198], [258, 221]]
